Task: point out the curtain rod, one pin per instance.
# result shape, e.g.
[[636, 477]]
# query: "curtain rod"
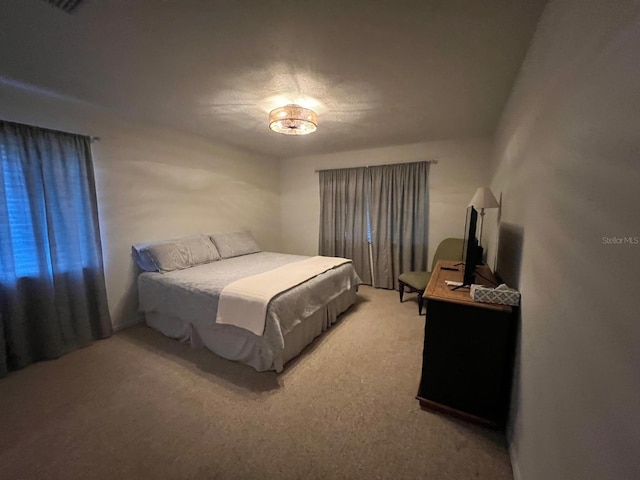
[[20, 125], [433, 162]]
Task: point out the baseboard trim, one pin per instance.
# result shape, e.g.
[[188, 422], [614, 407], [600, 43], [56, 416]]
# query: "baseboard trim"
[[130, 323], [514, 463]]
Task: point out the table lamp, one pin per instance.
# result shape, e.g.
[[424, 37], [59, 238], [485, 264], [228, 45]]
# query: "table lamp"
[[483, 198]]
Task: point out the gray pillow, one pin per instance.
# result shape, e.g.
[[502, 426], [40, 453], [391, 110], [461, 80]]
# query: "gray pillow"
[[142, 258], [202, 249], [235, 244], [181, 253]]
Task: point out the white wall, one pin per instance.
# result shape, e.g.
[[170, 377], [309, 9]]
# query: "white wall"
[[154, 183], [567, 165], [462, 167]]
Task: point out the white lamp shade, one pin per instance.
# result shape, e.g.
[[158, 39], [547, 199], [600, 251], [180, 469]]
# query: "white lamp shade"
[[484, 198]]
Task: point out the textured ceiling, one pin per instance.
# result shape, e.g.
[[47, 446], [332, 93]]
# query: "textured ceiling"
[[378, 72]]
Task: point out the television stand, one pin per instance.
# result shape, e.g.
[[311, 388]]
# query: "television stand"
[[489, 281], [462, 285], [467, 360]]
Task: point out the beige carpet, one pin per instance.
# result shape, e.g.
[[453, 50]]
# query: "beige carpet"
[[140, 406]]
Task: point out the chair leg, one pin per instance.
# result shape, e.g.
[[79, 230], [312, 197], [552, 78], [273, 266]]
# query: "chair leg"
[[401, 290], [419, 304]]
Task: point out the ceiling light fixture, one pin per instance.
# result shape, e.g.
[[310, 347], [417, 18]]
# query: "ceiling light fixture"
[[293, 120]]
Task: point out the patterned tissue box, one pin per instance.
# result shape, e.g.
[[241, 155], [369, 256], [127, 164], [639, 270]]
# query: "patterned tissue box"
[[501, 294]]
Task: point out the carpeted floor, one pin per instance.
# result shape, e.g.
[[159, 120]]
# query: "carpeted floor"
[[142, 406]]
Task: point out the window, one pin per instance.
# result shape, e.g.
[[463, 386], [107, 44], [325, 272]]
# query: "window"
[[18, 213], [52, 289]]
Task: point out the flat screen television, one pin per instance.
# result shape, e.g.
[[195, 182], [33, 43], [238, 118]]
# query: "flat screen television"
[[471, 247]]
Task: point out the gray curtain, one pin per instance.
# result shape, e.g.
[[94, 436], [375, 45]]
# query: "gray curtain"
[[343, 217], [52, 288], [399, 220]]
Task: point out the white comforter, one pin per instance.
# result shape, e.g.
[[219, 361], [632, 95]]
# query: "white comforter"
[[244, 303]]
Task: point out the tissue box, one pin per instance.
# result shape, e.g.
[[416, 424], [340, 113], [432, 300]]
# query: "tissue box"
[[502, 295]]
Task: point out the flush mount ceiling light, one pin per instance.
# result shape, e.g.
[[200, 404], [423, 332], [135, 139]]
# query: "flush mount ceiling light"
[[293, 120]]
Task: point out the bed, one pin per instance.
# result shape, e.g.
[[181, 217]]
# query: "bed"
[[182, 299]]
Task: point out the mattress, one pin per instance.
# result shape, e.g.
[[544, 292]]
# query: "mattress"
[[189, 298]]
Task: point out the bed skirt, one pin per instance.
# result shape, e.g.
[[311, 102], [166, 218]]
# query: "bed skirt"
[[233, 343]]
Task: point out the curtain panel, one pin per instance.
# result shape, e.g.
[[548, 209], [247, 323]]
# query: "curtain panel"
[[343, 217], [399, 215], [384, 206], [52, 288]]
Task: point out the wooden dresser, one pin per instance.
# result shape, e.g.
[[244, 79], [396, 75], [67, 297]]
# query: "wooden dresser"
[[467, 361]]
